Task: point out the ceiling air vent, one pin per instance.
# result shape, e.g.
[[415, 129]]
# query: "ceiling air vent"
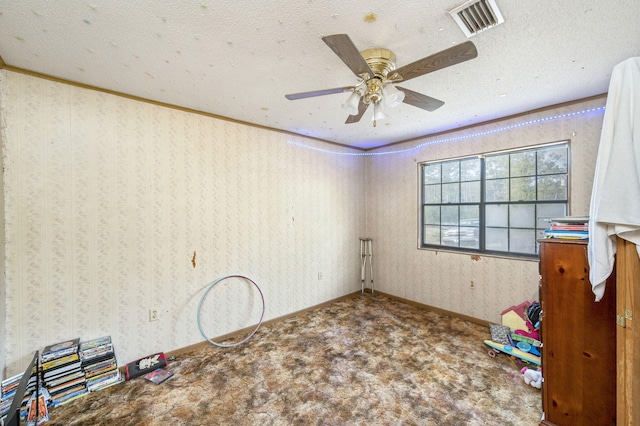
[[476, 16]]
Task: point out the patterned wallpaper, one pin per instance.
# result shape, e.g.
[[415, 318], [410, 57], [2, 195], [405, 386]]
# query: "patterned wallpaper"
[[443, 279], [3, 311], [107, 200]]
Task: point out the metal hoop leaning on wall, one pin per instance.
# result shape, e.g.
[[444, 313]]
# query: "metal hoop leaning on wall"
[[213, 284]]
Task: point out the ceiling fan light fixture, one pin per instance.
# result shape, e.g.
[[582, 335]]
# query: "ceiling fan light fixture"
[[351, 106], [392, 96]]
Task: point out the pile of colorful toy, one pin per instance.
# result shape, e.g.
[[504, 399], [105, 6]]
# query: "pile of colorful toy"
[[519, 337]]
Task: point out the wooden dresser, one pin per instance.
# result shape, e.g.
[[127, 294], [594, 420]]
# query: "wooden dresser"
[[579, 339]]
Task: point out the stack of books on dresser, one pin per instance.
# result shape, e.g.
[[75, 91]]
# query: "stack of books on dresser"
[[568, 228], [62, 371], [99, 363]]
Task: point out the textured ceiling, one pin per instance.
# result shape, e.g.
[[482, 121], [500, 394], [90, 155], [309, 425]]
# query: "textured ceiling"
[[237, 59]]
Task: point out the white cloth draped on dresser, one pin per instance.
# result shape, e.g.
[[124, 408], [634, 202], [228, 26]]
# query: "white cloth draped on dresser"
[[615, 198]]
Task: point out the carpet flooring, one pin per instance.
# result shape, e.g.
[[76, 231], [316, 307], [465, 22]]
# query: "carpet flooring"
[[358, 361]]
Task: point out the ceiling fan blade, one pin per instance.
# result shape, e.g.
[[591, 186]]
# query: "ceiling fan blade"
[[302, 95], [419, 100], [362, 107], [342, 46], [446, 58]]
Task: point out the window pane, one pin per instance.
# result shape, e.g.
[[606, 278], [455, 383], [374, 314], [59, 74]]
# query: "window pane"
[[450, 215], [497, 166], [432, 215], [432, 235], [548, 211], [469, 237], [451, 192], [497, 215], [497, 190], [432, 194], [431, 173], [523, 164], [470, 169], [552, 187], [470, 227], [523, 241], [497, 239], [450, 236], [470, 192], [451, 171], [523, 189], [522, 216], [553, 160], [469, 215]]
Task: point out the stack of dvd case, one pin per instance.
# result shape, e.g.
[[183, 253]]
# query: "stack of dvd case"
[[9, 388], [62, 371], [99, 363]]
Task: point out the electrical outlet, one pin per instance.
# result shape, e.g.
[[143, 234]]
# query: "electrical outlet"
[[320, 276], [472, 286], [154, 314]]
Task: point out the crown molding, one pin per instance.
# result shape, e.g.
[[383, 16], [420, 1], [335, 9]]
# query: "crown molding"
[[3, 65]]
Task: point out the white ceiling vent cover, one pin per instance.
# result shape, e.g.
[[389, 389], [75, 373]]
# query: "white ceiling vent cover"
[[476, 16]]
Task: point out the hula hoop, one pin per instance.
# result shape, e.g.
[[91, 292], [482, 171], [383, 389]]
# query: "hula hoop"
[[213, 284]]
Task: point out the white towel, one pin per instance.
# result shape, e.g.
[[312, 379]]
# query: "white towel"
[[615, 198]]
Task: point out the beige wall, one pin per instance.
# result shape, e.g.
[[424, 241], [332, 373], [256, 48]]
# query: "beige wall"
[[3, 311], [107, 199], [443, 279]]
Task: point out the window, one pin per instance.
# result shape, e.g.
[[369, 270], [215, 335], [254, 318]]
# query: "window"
[[497, 203]]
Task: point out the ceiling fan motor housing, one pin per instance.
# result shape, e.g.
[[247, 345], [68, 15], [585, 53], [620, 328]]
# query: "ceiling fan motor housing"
[[381, 61]]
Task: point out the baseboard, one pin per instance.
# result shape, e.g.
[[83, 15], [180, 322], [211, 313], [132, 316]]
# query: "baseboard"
[[246, 330], [181, 351], [435, 309]]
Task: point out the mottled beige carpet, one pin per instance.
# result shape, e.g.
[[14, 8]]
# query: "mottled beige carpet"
[[359, 361]]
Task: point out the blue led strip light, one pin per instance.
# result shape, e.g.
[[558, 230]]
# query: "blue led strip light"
[[456, 138]]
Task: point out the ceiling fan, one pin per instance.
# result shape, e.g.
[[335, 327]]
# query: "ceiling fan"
[[376, 70]]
